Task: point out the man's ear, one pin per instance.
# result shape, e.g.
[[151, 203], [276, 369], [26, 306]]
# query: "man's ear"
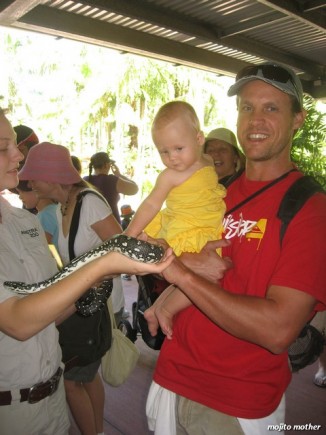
[[299, 119]]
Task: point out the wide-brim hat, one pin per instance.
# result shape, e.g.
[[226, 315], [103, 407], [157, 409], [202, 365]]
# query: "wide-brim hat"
[[51, 163], [223, 134], [279, 76]]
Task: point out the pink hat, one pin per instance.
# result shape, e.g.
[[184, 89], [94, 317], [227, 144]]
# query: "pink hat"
[[51, 163]]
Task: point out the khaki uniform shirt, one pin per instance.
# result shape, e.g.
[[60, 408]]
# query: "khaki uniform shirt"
[[25, 256]]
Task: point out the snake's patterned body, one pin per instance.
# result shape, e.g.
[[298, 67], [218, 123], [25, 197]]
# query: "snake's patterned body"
[[95, 298]]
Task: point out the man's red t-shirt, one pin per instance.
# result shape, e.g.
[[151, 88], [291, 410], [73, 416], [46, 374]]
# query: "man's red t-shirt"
[[210, 366]]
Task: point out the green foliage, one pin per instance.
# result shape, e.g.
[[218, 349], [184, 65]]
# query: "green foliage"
[[85, 70], [309, 144]]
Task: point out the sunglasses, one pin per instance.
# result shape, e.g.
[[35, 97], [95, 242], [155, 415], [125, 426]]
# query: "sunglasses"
[[269, 72]]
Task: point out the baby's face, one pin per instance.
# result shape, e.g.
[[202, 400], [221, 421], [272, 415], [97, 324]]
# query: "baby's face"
[[179, 144]]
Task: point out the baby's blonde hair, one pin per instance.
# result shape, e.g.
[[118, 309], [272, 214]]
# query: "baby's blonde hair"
[[174, 109]]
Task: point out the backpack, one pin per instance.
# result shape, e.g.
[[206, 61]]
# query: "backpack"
[[295, 198], [306, 349], [83, 340]]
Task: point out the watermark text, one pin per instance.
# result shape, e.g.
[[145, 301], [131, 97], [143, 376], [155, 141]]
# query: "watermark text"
[[283, 426]]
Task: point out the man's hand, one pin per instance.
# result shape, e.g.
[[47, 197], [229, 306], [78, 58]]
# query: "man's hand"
[[208, 263]]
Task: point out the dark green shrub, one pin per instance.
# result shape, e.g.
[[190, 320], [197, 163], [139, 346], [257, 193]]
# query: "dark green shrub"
[[309, 145]]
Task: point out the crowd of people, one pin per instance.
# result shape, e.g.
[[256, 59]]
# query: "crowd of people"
[[224, 367], [32, 393], [51, 174]]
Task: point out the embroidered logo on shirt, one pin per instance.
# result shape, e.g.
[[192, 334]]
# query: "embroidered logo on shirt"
[[244, 228], [258, 230], [33, 232]]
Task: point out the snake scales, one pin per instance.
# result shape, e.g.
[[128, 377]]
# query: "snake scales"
[[95, 298]]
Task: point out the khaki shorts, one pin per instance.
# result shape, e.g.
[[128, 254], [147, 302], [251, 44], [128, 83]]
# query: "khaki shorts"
[[168, 413], [192, 418]]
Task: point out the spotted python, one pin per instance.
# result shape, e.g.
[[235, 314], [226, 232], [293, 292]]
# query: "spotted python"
[[95, 298]]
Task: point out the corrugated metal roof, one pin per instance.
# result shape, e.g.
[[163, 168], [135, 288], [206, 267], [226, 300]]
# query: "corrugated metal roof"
[[210, 34]]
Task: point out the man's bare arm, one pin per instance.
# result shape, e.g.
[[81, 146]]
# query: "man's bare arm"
[[272, 322], [208, 263]]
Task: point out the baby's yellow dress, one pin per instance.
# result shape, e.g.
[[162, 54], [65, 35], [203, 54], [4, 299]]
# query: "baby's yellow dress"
[[193, 215]]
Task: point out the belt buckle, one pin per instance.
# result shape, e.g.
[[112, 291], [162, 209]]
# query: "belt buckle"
[[33, 392], [49, 387]]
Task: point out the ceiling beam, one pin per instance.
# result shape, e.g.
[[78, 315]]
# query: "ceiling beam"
[[312, 5], [61, 23], [292, 8], [252, 23], [12, 10], [160, 16], [207, 33], [273, 54]]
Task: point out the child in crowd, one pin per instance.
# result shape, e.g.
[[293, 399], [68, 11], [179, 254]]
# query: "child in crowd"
[[126, 215], [194, 200], [45, 209]]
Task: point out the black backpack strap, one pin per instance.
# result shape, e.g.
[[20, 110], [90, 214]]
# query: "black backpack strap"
[[258, 192], [234, 177], [75, 219], [295, 198]]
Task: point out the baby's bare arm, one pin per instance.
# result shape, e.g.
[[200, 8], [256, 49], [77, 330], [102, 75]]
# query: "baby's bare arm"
[[151, 205], [161, 313]]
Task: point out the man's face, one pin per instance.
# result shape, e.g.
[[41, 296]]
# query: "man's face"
[[266, 122]]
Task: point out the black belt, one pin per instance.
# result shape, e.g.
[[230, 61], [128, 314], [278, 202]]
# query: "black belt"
[[35, 393], [73, 362]]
